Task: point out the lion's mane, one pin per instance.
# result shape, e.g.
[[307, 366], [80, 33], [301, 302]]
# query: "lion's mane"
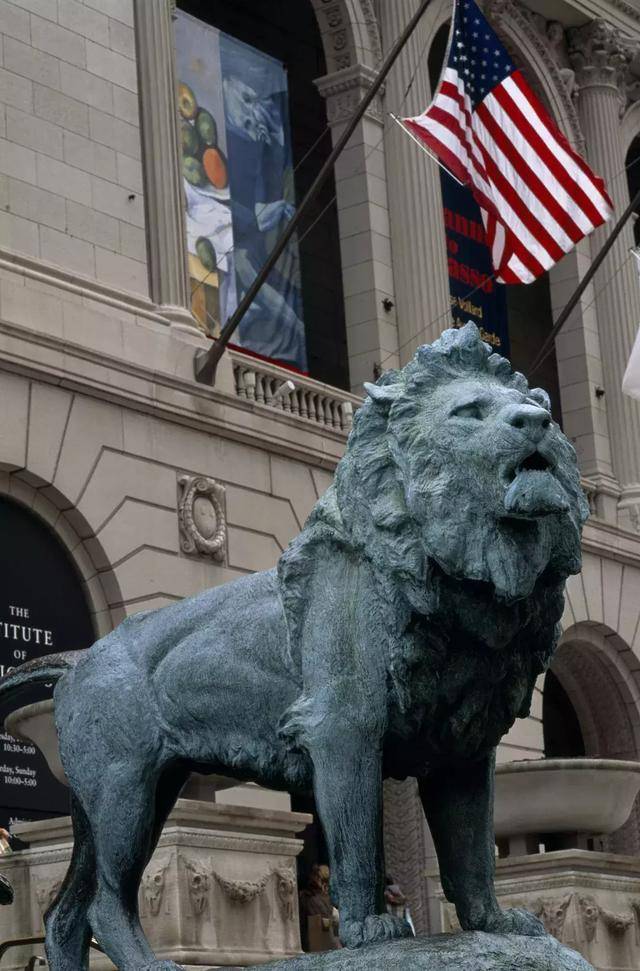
[[366, 513]]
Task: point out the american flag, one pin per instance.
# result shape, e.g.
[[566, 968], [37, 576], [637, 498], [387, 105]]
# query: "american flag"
[[537, 197]]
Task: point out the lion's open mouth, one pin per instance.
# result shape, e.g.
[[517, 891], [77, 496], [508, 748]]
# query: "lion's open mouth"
[[534, 462], [531, 491]]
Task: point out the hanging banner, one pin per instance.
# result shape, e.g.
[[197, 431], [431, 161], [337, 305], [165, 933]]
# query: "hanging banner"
[[239, 188], [470, 268]]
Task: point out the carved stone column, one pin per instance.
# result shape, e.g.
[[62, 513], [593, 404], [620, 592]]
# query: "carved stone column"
[[363, 218], [415, 201], [162, 162], [601, 57], [408, 849]]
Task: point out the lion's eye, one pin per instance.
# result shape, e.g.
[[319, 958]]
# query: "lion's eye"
[[471, 410]]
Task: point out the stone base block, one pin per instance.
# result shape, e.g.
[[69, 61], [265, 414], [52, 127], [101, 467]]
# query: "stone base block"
[[446, 952], [220, 889], [589, 901]]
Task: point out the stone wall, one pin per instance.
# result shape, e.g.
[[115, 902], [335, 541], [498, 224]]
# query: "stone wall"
[[71, 189]]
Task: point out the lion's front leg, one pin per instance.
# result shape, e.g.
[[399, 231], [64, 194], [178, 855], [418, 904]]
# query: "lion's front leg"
[[348, 792], [458, 804]]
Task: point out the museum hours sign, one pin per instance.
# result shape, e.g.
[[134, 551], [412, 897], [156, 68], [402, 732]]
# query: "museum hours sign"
[[42, 611]]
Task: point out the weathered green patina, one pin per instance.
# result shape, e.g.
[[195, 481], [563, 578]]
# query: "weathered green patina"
[[474, 951], [401, 634]]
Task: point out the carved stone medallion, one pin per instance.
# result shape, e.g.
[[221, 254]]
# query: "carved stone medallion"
[[203, 525]]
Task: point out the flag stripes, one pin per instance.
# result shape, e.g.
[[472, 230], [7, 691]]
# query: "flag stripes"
[[537, 197]]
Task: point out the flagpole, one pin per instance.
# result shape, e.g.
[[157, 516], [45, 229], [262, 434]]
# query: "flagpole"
[[424, 148], [547, 347], [206, 362]]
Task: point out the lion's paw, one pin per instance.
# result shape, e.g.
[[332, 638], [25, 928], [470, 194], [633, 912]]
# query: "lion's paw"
[[373, 930], [515, 921]]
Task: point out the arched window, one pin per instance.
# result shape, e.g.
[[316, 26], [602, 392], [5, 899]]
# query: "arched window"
[[252, 68], [42, 611]]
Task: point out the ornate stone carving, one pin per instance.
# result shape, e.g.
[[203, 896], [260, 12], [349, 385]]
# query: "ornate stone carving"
[[243, 891], [625, 8], [46, 893], [616, 924], [600, 55], [635, 909], [552, 913], [198, 885], [285, 890], [344, 90], [589, 912], [519, 26], [153, 885], [337, 26], [373, 29], [591, 492], [406, 847], [557, 41], [203, 526]]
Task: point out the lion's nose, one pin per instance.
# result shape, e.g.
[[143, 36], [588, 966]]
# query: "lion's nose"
[[529, 418]]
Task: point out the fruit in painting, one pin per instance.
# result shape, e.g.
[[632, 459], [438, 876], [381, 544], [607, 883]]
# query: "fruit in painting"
[[206, 253], [207, 128], [191, 143], [187, 103], [215, 166], [193, 171]]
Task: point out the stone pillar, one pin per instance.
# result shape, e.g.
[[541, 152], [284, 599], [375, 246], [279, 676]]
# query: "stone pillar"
[[363, 218], [162, 163], [415, 202], [408, 849], [601, 57]]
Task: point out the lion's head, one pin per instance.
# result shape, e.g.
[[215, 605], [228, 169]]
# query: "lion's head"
[[455, 461]]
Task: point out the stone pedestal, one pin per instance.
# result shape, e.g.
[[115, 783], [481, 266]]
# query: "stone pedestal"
[[589, 901], [220, 889], [447, 952]]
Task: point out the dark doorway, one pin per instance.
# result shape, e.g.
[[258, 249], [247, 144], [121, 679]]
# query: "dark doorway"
[[42, 611], [561, 728], [632, 162]]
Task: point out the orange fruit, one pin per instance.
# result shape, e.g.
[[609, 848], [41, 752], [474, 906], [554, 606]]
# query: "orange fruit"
[[215, 166]]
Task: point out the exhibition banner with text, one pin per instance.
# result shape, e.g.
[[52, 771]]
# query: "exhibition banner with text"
[[474, 293]]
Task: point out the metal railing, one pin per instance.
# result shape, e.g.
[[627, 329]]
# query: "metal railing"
[[38, 939], [275, 387]]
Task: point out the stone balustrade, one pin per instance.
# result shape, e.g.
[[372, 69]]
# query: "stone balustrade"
[[273, 386]]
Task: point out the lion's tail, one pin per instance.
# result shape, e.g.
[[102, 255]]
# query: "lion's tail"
[[42, 670]]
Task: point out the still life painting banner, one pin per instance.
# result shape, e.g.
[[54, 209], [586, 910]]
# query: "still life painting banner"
[[239, 188]]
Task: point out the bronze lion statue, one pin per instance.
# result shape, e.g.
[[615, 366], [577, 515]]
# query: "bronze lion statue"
[[401, 634]]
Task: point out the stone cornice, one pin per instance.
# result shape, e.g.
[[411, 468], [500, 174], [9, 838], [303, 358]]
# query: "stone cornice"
[[171, 397], [68, 282], [344, 90]]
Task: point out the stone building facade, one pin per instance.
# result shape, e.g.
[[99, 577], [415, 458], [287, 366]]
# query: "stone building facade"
[[107, 438]]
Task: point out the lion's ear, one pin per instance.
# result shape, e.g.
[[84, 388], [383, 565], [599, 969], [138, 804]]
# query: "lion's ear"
[[384, 394]]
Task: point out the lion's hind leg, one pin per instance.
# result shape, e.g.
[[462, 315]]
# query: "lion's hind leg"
[[67, 928], [125, 830]]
